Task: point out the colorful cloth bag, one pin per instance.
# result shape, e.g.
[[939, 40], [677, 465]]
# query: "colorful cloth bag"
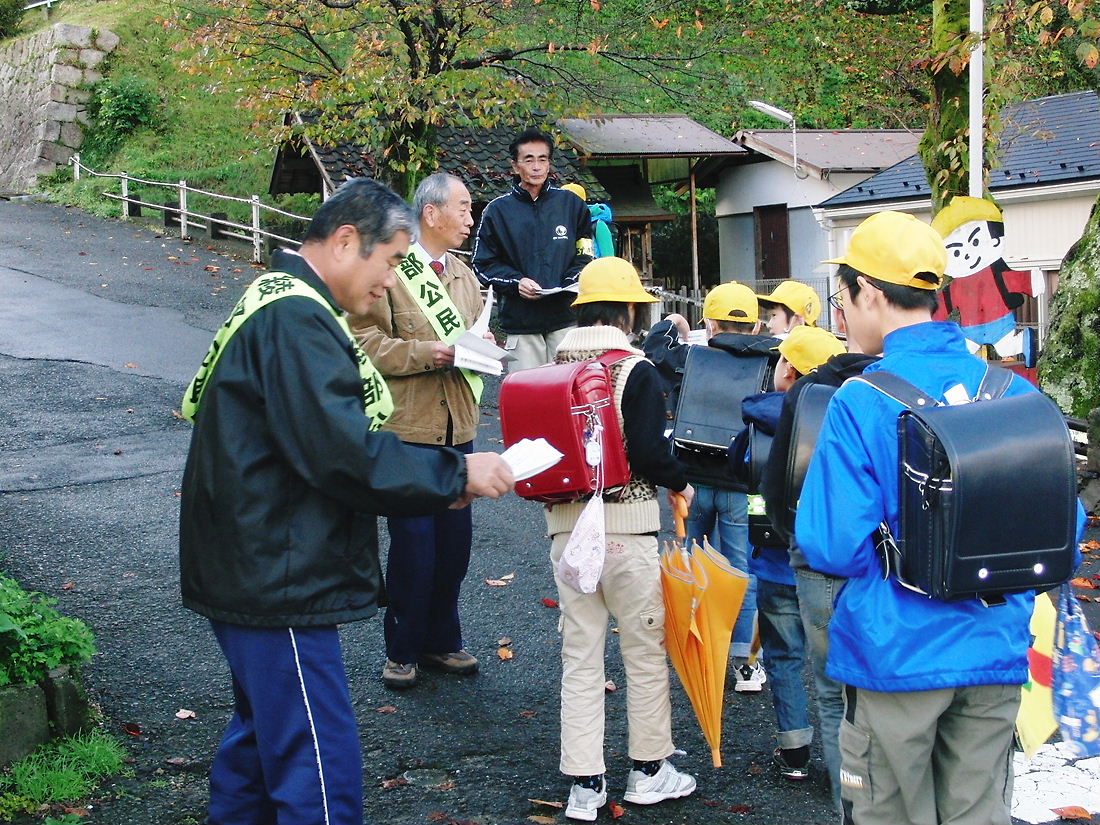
[[1076, 663]]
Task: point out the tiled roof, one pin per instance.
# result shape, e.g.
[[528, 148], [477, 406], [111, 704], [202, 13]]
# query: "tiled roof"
[[1044, 141], [478, 156], [646, 135]]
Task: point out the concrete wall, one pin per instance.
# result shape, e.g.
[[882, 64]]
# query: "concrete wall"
[[45, 85]]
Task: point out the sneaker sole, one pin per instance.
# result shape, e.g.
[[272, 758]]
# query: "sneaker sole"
[[399, 684], [464, 670], [800, 776], [584, 814], [749, 687], [654, 797]]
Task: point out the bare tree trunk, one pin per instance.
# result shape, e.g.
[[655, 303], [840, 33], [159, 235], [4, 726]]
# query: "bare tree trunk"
[[943, 148]]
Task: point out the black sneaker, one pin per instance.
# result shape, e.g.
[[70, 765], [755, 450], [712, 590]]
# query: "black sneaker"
[[789, 769]]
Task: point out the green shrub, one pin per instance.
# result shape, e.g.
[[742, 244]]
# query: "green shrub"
[[11, 15], [62, 771], [122, 105], [35, 638]]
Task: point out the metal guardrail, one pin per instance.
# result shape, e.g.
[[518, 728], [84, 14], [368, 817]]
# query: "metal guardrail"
[[179, 214], [1078, 431], [47, 3]]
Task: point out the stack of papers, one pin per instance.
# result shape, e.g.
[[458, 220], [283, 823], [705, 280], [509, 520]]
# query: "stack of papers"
[[529, 457], [473, 351], [554, 290]]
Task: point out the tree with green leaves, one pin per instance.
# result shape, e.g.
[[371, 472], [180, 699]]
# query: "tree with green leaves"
[[384, 73]]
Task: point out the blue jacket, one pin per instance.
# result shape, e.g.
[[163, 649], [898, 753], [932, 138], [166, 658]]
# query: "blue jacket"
[[882, 636]]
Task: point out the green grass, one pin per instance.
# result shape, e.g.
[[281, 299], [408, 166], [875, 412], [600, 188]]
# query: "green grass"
[[62, 771], [202, 133]]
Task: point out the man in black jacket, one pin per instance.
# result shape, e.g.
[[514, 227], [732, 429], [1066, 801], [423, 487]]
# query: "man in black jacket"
[[278, 540], [533, 239]]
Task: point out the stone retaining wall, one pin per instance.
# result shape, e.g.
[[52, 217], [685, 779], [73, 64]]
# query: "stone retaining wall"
[[45, 81]]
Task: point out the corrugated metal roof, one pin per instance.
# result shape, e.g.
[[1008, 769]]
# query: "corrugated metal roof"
[[834, 150], [1047, 140], [642, 135]]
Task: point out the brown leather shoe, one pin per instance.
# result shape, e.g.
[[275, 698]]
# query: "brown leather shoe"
[[398, 676], [459, 662]]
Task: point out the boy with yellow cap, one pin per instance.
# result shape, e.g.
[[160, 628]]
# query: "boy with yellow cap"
[[630, 586], [791, 304], [932, 687], [782, 637], [731, 316]]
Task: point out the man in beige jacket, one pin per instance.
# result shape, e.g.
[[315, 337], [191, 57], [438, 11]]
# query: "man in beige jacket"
[[408, 336]]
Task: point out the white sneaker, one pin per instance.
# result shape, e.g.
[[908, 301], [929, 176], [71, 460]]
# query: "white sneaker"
[[667, 783], [585, 802], [750, 678]]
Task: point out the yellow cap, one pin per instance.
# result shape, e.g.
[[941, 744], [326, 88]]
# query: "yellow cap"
[[807, 348], [894, 247], [732, 301], [964, 209], [799, 298], [577, 190], [611, 279]]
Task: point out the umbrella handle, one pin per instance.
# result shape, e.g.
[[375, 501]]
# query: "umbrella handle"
[[680, 512]]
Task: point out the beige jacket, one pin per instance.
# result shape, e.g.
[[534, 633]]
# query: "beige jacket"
[[397, 336]]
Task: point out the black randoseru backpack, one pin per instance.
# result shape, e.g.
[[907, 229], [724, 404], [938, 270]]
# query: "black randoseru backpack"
[[987, 493]]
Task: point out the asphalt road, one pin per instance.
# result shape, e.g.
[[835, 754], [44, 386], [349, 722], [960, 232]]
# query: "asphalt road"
[[102, 323]]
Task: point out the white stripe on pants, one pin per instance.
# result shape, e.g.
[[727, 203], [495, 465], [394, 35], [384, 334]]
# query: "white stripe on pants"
[[629, 590]]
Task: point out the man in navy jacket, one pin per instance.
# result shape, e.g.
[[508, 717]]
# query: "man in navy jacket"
[[532, 239]]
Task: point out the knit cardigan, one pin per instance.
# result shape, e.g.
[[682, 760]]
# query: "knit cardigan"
[[636, 512]]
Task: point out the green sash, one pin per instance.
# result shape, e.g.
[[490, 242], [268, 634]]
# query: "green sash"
[[377, 403], [425, 288]]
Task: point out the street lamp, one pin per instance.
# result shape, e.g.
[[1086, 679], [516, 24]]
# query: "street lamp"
[[782, 116]]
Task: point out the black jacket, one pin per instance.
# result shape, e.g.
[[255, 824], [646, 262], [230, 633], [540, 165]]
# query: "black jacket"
[[523, 238], [773, 486], [283, 479]]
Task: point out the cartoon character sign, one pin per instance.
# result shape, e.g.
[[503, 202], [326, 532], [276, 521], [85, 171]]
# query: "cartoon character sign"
[[983, 290]]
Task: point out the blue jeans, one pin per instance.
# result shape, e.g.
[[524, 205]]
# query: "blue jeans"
[[723, 517], [783, 646], [817, 594]]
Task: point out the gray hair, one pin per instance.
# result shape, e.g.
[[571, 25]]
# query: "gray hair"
[[434, 190], [375, 210]]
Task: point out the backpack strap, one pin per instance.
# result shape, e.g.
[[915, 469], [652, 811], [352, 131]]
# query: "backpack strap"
[[896, 387], [614, 356], [995, 383]]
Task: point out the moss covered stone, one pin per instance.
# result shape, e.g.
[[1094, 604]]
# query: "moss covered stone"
[[1069, 367]]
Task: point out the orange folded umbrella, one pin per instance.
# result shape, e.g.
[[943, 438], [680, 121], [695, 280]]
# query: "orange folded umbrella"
[[702, 595]]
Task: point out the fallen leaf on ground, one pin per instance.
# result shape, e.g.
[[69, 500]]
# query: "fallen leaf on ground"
[[449, 785], [210, 268], [531, 714], [542, 820], [130, 366], [132, 728], [755, 769], [610, 686], [504, 641], [1091, 545], [386, 709], [616, 809], [74, 811], [548, 804], [508, 577], [184, 713], [1081, 581], [396, 782], [177, 761], [1073, 812], [496, 583], [549, 603], [505, 653], [68, 586]]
